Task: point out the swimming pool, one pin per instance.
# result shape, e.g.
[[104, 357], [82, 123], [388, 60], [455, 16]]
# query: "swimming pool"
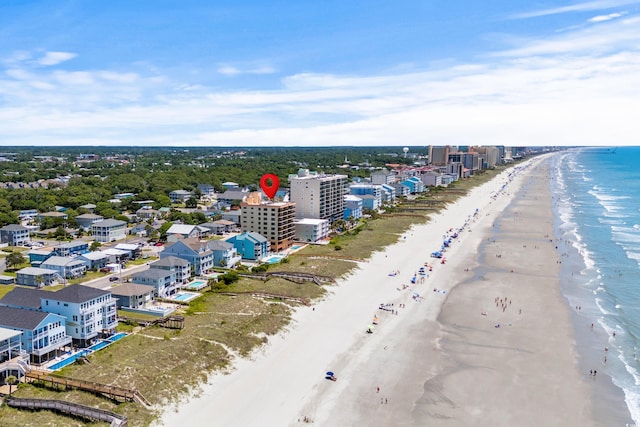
[[99, 345], [294, 247], [69, 360], [117, 336], [184, 296], [273, 259], [196, 285]]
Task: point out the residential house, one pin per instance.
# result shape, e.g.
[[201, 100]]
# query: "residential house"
[[232, 197], [109, 230], [401, 190], [43, 334], [88, 311], [250, 245], [182, 231], [67, 267], [388, 193], [94, 260], [27, 214], [207, 190], [234, 216], [203, 256], [311, 229], [134, 250], [78, 247], [162, 281], [224, 254], [7, 280], [432, 178], [180, 196], [134, 296], [85, 221], [38, 256], [383, 177], [352, 207], [368, 190], [414, 184], [370, 202], [25, 298], [14, 235], [38, 277], [220, 227], [89, 207], [13, 359], [54, 215], [146, 213], [181, 267]]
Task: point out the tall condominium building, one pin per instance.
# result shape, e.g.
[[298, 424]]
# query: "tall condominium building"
[[317, 195], [439, 156], [272, 220]]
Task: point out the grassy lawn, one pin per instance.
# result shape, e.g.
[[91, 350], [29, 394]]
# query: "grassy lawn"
[[165, 364]]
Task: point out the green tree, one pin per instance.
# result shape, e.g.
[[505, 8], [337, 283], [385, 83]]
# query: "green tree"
[[191, 203], [15, 258], [94, 246]]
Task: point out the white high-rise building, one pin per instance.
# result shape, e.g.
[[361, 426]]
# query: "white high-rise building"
[[317, 195]]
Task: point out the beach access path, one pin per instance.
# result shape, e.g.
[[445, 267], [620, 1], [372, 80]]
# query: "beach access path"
[[396, 376]]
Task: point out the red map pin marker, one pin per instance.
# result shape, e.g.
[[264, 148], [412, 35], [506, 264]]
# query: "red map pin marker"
[[269, 189]]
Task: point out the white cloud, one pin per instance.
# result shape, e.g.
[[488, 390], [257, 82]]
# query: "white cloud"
[[229, 70], [579, 7], [54, 58], [602, 18], [577, 88]]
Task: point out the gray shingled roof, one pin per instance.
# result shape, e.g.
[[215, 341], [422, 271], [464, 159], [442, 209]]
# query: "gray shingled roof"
[[21, 318], [131, 289], [109, 223], [77, 294], [24, 297], [152, 273], [13, 227], [170, 261]]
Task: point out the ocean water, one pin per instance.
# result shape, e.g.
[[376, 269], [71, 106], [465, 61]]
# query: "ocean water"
[[597, 202]]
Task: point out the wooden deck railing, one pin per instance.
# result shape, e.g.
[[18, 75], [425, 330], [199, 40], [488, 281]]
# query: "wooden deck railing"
[[75, 409]]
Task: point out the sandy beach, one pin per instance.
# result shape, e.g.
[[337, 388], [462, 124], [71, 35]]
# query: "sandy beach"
[[436, 355]]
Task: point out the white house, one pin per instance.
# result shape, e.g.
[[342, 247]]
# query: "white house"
[[109, 230], [311, 229], [88, 311]]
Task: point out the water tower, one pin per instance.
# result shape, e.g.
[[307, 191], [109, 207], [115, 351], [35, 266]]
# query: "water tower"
[[405, 150]]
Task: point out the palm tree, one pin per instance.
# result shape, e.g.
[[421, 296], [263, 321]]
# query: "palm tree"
[[11, 380]]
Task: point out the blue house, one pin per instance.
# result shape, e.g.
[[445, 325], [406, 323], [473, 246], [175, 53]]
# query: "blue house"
[[415, 185], [250, 245], [72, 248], [203, 255], [352, 207], [43, 334]]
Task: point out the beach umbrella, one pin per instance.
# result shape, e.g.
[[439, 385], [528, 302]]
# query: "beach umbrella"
[[371, 327], [330, 374]]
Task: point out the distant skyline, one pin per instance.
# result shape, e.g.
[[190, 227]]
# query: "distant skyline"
[[330, 73]]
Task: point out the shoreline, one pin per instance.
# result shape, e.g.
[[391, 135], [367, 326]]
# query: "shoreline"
[[384, 378]]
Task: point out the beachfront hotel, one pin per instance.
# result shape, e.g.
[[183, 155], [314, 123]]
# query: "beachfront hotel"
[[273, 220], [318, 195]]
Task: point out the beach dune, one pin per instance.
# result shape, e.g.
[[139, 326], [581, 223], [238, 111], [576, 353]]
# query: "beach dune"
[[440, 360]]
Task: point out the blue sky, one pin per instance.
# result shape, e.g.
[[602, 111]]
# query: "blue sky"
[[309, 73]]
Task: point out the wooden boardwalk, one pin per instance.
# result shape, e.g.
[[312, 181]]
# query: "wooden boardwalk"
[[69, 408], [113, 392]]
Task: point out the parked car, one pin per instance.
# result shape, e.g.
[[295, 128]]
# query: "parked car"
[[113, 278]]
